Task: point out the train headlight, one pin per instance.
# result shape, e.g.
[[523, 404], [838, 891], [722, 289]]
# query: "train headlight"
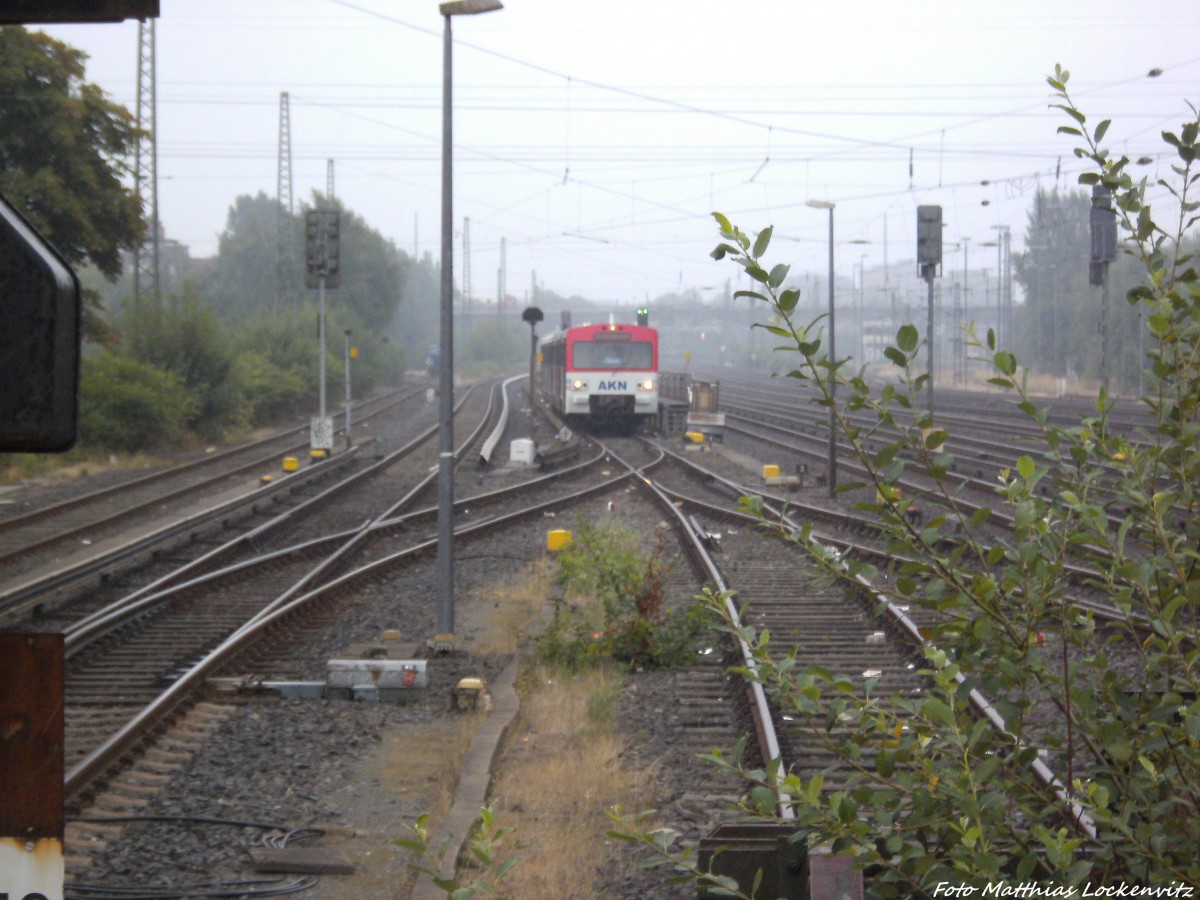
[[579, 385], [648, 384]]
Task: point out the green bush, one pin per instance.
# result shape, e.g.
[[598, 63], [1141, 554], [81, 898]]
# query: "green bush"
[[928, 793], [622, 615], [128, 405], [270, 392], [493, 348], [182, 335]]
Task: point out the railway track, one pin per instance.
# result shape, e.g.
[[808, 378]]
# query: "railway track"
[[162, 533], [129, 677], [132, 660], [710, 708], [818, 622], [29, 537]]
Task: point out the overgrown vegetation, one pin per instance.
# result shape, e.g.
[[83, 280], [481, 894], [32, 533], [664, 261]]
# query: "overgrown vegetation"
[[932, 795], [485, 847], [615, 604], [179, 375], [564, 762]]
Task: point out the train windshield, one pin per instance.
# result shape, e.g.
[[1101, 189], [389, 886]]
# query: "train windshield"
[[626, 355]]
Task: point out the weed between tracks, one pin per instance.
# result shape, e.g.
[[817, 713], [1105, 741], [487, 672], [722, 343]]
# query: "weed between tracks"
[[562, 768], [564, 762]]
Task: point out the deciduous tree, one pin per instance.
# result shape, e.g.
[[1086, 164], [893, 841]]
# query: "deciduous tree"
[[64, 148]]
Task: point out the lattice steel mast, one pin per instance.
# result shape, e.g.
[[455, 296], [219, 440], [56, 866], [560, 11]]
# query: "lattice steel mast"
[[285, 256], [146, 268]]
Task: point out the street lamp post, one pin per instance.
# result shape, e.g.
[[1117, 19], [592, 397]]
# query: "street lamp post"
[[862, 310], [444, 636], [831, 466]]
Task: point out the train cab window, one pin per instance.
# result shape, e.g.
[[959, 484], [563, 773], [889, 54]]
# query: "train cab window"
[[632, 355]]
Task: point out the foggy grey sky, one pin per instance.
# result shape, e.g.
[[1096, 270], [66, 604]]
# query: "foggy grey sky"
[[597, 137]]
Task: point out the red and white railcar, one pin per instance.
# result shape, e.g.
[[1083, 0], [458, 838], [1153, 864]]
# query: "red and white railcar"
[[602, 375]]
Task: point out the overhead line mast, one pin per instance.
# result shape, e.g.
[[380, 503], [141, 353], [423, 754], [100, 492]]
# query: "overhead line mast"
[[146, 264], [285, 254]]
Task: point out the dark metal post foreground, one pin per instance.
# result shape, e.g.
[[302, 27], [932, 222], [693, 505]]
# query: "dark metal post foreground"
[[31, 758], [445, 549], [832, 465]]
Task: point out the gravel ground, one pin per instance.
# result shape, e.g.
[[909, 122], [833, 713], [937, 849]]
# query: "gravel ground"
[[361, 771]]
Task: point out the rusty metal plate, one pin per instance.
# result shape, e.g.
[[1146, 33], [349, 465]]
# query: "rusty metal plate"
[[31, 736]]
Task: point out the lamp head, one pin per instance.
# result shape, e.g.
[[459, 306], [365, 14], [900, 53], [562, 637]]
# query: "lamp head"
[[468, 7]]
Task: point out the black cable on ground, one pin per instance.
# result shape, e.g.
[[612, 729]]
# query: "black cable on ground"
[[252, 888]]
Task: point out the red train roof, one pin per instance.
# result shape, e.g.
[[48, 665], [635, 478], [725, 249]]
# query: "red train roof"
[[589, 332]]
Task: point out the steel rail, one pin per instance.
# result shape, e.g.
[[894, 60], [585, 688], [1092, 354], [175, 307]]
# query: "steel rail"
[[983, 707], [79, 634], [364, 533], [221, 455], [489, 446], [760, 708], [26, 596], [854, 523], [114, 748], [912, 632]]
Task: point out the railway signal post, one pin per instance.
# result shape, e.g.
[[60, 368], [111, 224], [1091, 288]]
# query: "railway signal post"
[[929, 262], [532, 315], [321, 271]]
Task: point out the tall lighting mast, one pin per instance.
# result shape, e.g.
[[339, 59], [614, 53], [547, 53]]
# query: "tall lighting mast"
[[444, 636]]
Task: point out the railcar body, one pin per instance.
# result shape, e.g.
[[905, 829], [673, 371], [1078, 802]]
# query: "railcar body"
[[602, 376]]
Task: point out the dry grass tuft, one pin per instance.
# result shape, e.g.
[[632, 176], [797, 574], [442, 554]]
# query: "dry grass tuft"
[[563, 768], [513, 610]]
